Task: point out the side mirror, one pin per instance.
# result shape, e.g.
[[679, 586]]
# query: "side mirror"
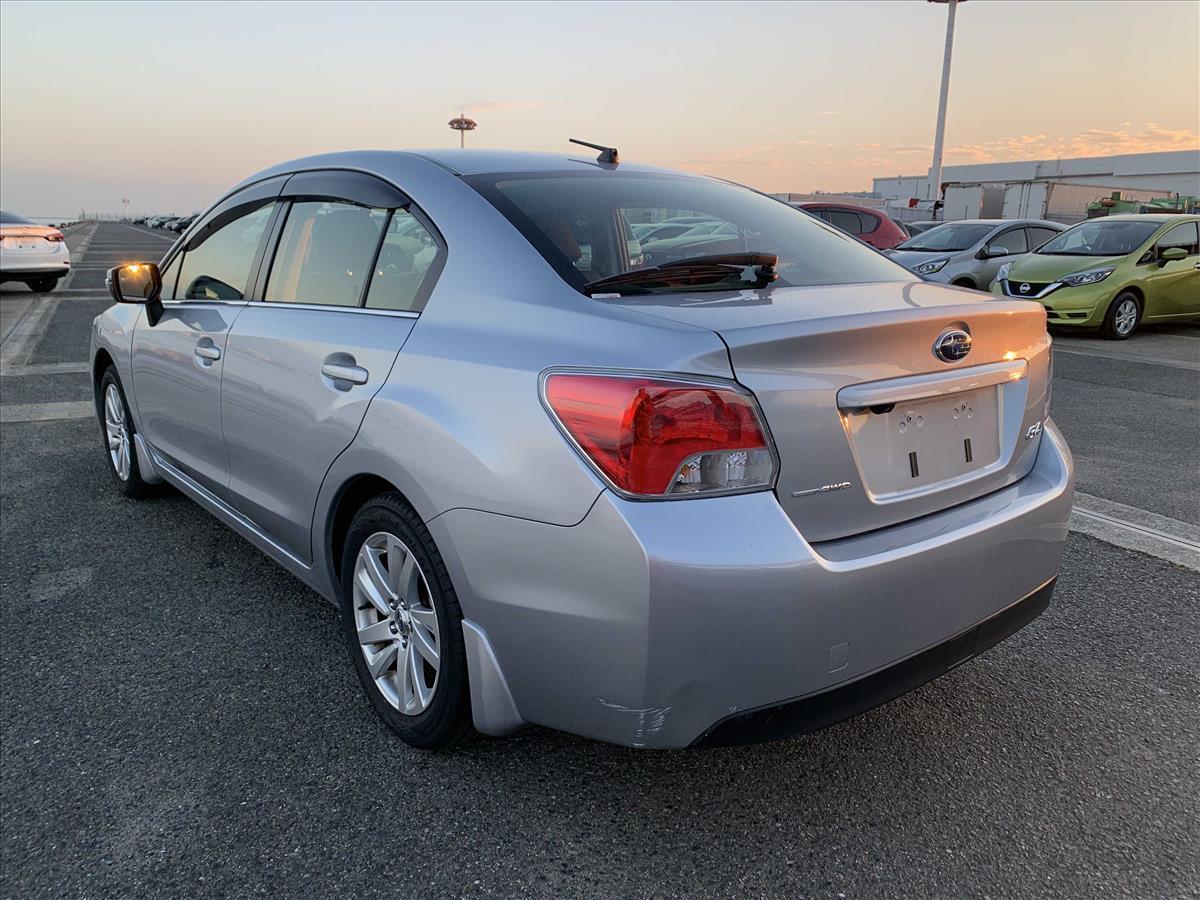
[[137, 283], [990, 252], [1172, 253]]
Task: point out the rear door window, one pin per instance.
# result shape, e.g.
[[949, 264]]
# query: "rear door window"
[[325, 253], [869, 222], [218, 268], [405, 264]]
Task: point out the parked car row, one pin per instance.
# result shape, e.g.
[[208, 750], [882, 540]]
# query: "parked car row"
[[177, 224], [1112, 273]]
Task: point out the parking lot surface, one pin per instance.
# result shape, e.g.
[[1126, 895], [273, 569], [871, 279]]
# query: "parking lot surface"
[[179, 717]]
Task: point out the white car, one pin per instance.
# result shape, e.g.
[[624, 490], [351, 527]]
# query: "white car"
[[32, 253]]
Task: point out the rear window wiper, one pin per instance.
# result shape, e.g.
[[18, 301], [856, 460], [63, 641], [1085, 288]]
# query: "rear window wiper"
[[751, 269]]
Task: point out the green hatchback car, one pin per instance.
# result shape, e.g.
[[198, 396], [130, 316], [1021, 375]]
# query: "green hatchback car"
[[1112, 273]]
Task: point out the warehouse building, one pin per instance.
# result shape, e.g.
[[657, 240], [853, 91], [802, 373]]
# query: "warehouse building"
[[1170, 172]]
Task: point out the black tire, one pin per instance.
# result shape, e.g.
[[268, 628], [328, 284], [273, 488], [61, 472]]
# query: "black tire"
[[447, 719], [132, 485], [1116, 327], [965, 282], [43, 285]]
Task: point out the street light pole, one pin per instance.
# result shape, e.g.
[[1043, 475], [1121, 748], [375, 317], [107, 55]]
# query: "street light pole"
[[939, 138]]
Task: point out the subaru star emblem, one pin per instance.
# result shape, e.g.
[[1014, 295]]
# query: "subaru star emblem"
[[951, 346], [1024, 288]]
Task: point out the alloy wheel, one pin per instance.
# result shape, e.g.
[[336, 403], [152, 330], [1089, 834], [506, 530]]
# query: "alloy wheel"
[[117, 430], [396, 623], [1126, 317]]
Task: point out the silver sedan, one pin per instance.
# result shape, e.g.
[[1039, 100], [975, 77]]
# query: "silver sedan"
[[734, 490]]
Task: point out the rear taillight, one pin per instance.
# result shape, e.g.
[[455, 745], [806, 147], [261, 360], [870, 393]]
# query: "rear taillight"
[[662, 437], [53, 236]]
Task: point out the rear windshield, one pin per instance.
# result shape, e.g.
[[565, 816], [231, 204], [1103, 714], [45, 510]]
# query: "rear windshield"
[[594, 225], [1100, 238], [945, 238]]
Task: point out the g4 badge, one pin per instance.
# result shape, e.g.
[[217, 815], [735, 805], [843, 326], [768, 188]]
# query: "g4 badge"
[[1033, 430]]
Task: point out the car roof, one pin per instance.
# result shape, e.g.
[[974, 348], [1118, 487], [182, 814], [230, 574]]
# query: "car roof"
[[1158, 218], [485, 162]]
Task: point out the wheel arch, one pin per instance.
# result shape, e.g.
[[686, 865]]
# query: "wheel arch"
[[353, 493]]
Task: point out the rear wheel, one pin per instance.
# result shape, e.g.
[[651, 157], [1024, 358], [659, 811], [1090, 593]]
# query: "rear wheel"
[[403, 625], [1123, 317], [43, 285], [116, 428]]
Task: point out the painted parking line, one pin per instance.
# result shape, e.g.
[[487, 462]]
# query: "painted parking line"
[[1130, 357], [1137, 529], [44, 369], [23, 336], [46, 412]]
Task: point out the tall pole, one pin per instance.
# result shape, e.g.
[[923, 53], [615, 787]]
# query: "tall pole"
[[935, 170]]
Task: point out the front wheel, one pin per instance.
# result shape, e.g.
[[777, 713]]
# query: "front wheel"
[[1123, 317], [403, 625], [116, 429]]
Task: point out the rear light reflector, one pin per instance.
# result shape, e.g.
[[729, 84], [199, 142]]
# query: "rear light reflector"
[[54, 236], [663, 437]]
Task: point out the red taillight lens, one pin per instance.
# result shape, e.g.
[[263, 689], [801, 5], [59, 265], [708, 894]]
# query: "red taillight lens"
[[657, 437], [54, 236]]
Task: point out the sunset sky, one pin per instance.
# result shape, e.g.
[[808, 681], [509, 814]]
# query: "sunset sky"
[[170, 103]]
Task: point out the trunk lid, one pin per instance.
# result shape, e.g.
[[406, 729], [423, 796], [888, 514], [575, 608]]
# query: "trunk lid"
[[872, 428]]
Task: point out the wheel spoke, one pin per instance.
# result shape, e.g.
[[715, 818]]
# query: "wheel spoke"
[[365, 584], [378, 663], [406, 577], [424, 641], [404, 689], [377, 573], [374, 634], [422, 692]]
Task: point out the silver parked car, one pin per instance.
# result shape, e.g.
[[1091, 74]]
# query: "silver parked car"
[[741, 493], [970, 252]]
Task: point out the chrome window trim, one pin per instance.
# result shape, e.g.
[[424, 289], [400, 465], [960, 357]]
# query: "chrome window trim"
[[329, 307]]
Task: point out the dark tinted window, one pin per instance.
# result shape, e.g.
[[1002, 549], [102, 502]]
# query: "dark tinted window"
[[848, 221], [219, 267], [325, 253], [575, 222], [869, 222], [1182, 235], [1013, 241], [1039, 236], [405, 259]]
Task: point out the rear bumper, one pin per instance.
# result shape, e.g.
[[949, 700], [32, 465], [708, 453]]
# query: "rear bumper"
[[668, 624], [819, 710]]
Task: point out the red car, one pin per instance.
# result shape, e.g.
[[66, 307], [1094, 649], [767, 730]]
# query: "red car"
[[869, 225]]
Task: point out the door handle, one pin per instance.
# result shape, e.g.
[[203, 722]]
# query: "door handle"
[[1196, 266], [352, 374], [207, 351]]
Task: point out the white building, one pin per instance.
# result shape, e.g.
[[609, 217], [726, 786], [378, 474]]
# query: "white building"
[[1171, 172]]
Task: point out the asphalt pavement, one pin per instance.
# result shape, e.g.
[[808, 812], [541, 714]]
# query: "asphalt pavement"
[[178, 716]]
